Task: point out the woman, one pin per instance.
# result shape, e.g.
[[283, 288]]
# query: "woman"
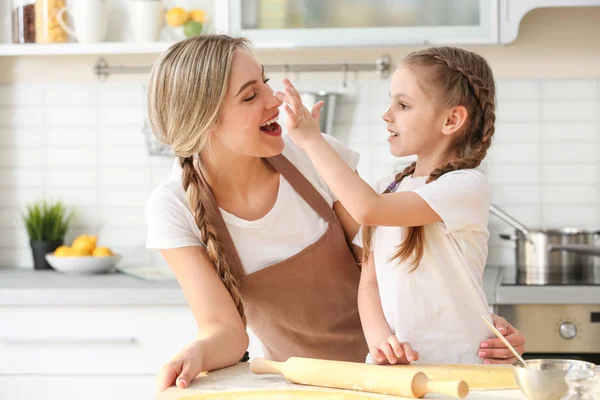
[[245, 215]]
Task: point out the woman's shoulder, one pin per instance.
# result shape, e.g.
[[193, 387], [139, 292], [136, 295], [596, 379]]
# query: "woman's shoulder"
[[168, 195]]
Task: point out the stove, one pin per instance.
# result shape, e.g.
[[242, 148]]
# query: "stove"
[[510, 277], [559, 320]]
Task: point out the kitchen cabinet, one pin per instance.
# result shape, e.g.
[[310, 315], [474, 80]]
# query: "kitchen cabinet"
[[105, 336], [273, 24], [513, 11], [96, 352], [347, 23]]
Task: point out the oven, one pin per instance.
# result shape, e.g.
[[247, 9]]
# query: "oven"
[[557, 330], [559, 321]]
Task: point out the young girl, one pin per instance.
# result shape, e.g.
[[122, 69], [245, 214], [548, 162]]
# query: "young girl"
[[425, 236]]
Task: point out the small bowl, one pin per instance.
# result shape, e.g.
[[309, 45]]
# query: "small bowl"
[[545, 378], [83, 264]]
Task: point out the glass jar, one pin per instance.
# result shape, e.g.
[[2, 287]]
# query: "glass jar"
[[581, 384], [47, 28], [23, 21]]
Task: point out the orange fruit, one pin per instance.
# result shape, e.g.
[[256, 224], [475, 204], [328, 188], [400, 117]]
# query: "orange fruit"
[[102, 252], [177, 16], [198, 15], [62, 251]]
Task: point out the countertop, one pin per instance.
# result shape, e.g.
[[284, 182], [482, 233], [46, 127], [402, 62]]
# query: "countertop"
[[239, 377], [27, 287], [23, 287]]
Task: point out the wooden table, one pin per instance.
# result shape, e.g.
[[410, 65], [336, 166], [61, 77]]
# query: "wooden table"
[[239, 377]]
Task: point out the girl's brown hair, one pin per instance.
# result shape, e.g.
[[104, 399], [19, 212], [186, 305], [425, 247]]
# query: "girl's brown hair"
[[455, 77], [187, 87]]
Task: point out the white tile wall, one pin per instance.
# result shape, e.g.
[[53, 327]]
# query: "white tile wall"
[[83, 143]]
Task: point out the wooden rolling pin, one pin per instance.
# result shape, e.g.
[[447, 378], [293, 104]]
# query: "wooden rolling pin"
[[359, 376]]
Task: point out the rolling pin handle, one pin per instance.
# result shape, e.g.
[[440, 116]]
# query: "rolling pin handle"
[[422, 385], [261, 366]]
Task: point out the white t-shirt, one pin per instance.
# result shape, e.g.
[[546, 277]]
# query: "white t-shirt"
[[438, 307], [288, 228]]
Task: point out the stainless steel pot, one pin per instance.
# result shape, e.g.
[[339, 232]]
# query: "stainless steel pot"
[[552, 256]]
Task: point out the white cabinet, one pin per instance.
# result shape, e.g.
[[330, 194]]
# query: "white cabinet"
[[96, 352], [513, 11], [273, 24], [346, 23], [77, 387]]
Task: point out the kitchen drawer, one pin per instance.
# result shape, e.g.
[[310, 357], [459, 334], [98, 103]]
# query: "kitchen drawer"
[[92, 340], [77, 387]]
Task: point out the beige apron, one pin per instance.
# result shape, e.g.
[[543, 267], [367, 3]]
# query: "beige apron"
[[306, 305]]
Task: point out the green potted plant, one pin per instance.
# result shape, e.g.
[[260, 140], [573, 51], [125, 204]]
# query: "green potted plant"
[[46, 224]]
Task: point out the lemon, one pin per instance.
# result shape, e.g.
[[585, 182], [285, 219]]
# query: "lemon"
[[198, 15], [192, 28], [85, 242], [62, 251], [102, 252], [77, 252], [177, 16]]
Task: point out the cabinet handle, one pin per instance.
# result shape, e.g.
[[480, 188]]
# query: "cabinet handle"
[[67, 341]]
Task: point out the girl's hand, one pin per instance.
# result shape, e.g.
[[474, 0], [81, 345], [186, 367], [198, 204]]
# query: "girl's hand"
[[393, 352], [184, 367], [302, 125], [494, 351]]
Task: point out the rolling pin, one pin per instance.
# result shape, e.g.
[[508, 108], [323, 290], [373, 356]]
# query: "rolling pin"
[[360, 377]]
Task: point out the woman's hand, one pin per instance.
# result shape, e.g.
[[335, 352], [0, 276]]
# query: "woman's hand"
[[393, 352], [182, 368], [302, 125], [494, 351]]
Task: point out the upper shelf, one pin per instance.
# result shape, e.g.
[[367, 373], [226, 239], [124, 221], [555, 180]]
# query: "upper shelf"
[[83, 49], [498, 24]]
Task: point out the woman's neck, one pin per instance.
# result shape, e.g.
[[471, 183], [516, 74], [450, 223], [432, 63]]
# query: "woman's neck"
[[235, 176]]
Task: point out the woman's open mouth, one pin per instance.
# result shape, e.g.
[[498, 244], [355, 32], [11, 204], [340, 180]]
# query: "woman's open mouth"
[[271, 127]]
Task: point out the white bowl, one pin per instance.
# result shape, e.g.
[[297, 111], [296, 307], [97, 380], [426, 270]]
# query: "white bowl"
[[83, 264]]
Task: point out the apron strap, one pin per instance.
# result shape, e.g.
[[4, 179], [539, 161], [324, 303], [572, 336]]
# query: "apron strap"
[[230, 254], [301, 185]]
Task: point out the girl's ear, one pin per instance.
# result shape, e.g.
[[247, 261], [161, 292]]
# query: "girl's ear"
[[456, 118]]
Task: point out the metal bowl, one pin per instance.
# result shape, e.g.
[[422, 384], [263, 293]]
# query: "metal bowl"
[[545, 378]]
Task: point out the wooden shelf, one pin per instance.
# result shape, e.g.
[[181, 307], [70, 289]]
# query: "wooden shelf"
[[51, 49]]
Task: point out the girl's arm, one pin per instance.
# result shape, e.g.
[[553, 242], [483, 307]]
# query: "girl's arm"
[[373, 321], [222, 339], [365, 205], [349, 224], [383, 345]]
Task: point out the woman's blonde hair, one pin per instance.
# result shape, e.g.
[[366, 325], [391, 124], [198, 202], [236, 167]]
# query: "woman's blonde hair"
[[187, 87], [453, 77]]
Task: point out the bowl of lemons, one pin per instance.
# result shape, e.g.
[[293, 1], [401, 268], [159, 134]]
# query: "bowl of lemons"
[[183, 24], [83, 257]]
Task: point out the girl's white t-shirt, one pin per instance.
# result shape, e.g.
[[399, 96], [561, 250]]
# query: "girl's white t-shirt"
[[438, 307], [289, 227]]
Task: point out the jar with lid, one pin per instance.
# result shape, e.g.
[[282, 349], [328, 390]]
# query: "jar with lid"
[[581, 384], [23, 21], [47, 28]]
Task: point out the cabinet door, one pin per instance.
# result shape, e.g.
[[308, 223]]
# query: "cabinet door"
[[130, 387], [513, 11], [91, 340], [318, 23]]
